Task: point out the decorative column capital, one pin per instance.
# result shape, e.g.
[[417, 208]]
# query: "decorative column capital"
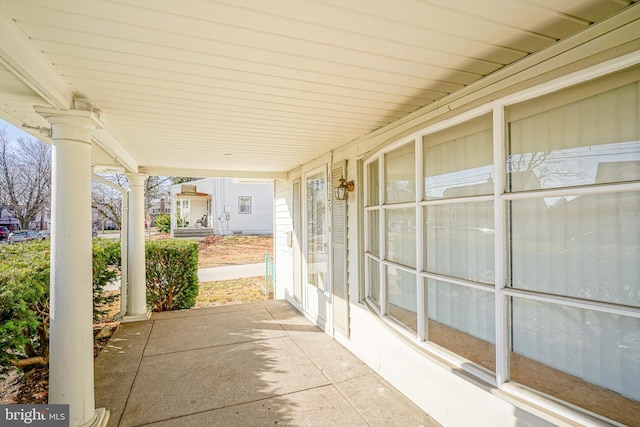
[[136, 179], [69, 124]]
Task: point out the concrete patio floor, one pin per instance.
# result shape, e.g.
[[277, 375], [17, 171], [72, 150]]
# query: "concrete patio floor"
[[241, 365]]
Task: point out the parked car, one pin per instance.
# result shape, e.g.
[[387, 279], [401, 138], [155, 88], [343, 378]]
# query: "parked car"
[[24, 236], [4, 232]]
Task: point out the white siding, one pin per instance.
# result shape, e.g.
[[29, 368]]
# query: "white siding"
[[258, 221], [225, 192]]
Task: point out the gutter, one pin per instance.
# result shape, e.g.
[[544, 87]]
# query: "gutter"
[[124, 243]]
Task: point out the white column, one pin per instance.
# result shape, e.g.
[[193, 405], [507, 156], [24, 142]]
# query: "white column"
[[71, 306], [137, 292]]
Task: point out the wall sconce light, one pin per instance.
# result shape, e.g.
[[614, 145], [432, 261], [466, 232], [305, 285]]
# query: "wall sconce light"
[[341, 190]]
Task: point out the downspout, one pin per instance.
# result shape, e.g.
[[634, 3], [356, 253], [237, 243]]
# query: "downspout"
[[124, 240]]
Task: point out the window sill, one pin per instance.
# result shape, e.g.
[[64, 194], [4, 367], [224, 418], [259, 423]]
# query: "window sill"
[[549, 408]]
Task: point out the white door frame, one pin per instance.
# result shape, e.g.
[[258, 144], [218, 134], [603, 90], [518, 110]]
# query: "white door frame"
[[320, 302]]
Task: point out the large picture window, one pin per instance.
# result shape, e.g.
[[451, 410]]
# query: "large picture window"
[[529, 260]]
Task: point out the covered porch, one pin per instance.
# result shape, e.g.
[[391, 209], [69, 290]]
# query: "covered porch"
[[250, 364], [306, 93]]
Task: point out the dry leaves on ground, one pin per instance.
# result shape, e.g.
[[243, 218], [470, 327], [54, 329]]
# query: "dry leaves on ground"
[[32, 387], [234, 250]]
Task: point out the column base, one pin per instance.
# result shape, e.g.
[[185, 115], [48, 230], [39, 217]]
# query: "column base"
[[136, 317], [100, 419]]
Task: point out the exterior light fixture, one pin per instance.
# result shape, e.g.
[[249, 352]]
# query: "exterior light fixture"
[[341, 190]]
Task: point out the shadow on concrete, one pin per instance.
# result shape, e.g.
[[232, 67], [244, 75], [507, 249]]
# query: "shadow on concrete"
[[251, 364]]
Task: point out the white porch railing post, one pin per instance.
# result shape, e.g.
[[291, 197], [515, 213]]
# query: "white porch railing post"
[[137, 297], [71, 310]]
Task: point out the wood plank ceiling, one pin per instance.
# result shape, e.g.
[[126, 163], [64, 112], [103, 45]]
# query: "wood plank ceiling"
[[252, 85]]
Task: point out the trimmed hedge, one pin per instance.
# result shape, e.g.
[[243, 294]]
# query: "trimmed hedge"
[[172, 274]]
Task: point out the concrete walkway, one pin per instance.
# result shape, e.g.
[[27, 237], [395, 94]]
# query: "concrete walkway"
[[229, 272], [260, 364]]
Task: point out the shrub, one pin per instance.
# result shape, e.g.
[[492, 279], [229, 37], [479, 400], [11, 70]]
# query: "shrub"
[[163, 223], [24, 298], [106, 263], [172, 274], [24, 305]]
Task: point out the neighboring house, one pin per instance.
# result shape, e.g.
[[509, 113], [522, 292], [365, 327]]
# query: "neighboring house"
[[41, 222], [8, 220], [157, 208], [100, 222], [222, 206]]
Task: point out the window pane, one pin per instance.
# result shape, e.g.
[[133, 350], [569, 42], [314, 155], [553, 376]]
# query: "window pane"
[[459, 241], [584, 357], [402, 298], [374, 233], [585, 246], [459, 161], [317, 236], [401, 236], [373, 182], [400, 179], [374, 280], [593, 140], [462, 320]]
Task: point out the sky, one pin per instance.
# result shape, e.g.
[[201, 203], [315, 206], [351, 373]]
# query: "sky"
[[12, 132]]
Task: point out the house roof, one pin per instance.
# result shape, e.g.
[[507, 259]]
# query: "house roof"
[[245, 88]]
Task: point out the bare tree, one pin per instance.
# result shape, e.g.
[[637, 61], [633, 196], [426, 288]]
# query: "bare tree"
[[107, 202], [25, 177], [549, 167], [156, 188]]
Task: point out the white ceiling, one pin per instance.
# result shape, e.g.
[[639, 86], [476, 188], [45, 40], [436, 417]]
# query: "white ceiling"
[[256, 87]]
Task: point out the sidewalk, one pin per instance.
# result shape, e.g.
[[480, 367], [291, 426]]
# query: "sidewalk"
[[213, 274], [229, 272]]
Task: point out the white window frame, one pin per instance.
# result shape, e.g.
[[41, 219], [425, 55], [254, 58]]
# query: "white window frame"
[[500, 200], [242, 205]]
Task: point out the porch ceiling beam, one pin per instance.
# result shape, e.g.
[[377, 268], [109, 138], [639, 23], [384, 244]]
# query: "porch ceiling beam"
[[214, 173], [33, 70], [110, 144]]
